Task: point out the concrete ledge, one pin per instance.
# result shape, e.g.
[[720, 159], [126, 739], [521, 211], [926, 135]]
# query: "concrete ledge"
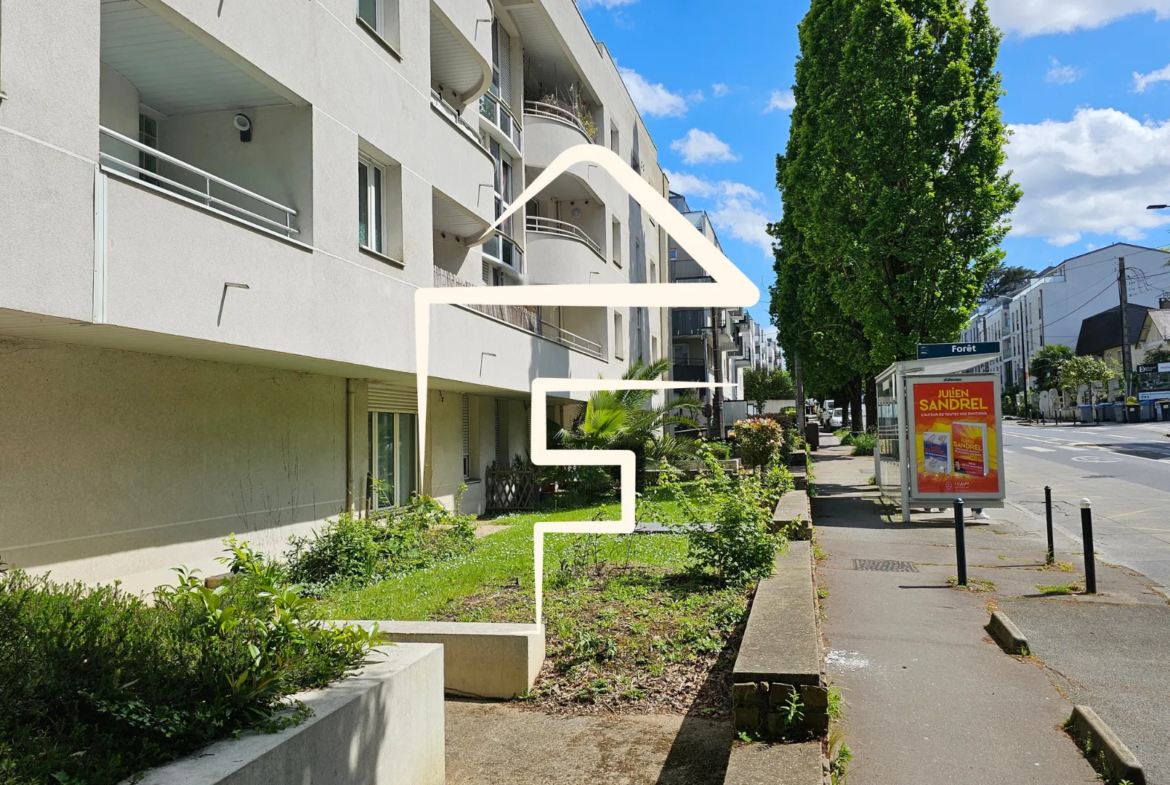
[[1007, 633], [480, 660], [780, 657], [800, 476], [775, 764], [380, 726], [793, 507], [1098, 739]]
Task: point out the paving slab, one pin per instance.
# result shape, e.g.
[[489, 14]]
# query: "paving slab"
[[776, 764], [931, 698], [497, 744]]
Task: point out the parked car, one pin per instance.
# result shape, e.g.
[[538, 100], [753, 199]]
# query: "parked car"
[[825, 415], [836, 419]]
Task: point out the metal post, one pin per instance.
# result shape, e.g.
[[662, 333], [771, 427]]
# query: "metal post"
[[1126, 353], [960, 543], [1051, 556], [1087, 533]]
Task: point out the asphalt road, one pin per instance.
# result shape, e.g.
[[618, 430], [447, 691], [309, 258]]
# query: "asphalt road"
[[1123, 469]]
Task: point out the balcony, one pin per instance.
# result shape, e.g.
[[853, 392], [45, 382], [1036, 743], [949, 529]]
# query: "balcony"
[[234, 201], [688, 271], [688, 371], [551, 129], [689, 322], [525, 318], [501, 124], [453, 116]]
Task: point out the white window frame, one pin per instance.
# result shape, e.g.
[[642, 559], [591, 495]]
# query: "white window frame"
[[401, 491], [384, 10], [616, 230], [376, 219], [619, 351]]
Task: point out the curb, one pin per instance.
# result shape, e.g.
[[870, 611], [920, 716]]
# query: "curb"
[[1097, 738], [1007, 634]]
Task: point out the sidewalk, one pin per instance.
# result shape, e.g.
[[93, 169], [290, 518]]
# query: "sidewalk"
[[931, 699]]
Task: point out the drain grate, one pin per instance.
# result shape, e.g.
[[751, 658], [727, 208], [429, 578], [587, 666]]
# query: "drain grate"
[[884, 565]]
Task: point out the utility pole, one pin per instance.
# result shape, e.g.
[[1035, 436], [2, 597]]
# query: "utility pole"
[[1024, 354], [1126, 354], [717, 395], [798, 373]]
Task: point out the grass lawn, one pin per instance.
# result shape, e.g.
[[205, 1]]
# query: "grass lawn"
[[628, 629]]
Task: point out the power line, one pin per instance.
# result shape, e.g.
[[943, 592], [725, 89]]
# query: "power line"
[[1108, 286]]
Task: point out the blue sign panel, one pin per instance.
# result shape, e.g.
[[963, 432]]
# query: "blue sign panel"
[[933, 351]]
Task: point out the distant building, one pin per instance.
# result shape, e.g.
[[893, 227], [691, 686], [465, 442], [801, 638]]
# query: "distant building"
[[1155, 330], [1049, 309], [1100, 334]]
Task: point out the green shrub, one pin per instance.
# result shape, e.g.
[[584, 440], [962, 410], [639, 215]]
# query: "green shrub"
[[354, 552], [97, 684], [864, 443], [759, 440], [720, 450]]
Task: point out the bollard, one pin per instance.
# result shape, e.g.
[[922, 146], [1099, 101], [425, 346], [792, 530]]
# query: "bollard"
[[1087, 533], [960, 543], [1051, 557]]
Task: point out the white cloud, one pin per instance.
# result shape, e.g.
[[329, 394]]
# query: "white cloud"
[[610, 4], [1061, 74], [782, 100], [702, 147], [1037, 17], [1142, 81], [696, 97], [735, 210], [652, 99], [720, 89], [1094, 174]]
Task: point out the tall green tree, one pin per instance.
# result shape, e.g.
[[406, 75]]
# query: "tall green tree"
[[761, 385], [1003, 280], [894, 191], [1046, 365]]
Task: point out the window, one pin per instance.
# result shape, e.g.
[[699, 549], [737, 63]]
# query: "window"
[[653, 272], [619, 351], [371, 207], [617, 243], [653, 348], [393, 458], [682, 353], [148, 135], [381, 18], [501, 63], [379, 206], [614, 141], [673, 254], [501, 247]]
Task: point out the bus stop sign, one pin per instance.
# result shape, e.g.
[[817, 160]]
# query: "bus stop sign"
[[934, 351]]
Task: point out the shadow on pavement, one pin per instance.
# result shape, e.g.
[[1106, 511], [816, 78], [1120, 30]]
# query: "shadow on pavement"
[[702, 748]]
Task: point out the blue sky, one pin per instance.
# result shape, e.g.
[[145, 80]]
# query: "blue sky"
[[1088, 98]]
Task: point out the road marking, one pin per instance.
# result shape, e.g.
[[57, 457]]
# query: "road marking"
[[1039, 449], [1135, 512], [1095, 459]]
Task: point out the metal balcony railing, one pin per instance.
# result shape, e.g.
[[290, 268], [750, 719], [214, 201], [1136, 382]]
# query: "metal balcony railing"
[[558, 113], [200, 196], [494, 111], [563, 229], [526, 318], [452, 114], [689, 321]]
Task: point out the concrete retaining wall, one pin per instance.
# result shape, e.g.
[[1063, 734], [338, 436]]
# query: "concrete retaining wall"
[[780, 656], [481, 660], [382, 726], [793, 508]]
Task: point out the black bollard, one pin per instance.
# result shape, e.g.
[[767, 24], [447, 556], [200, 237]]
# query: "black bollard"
[[960, 543], [1087, 533], [1051, 557]]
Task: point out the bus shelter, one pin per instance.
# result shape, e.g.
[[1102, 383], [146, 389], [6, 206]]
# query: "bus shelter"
[[938, 430]]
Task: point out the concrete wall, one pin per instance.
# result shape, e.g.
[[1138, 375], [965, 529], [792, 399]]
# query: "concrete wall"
[[119, 464]]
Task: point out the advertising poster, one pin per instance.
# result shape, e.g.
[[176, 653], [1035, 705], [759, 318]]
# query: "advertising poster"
[[955, 428]]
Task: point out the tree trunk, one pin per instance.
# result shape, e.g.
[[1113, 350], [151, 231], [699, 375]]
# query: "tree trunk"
[[855, 388], [871, 415]]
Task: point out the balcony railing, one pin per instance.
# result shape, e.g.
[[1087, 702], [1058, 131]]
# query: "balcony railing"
[[563, 229], [687, 271], [558, 113], [689, 371], [498, 115], [452, 114], [519, 316], [200, 196], [688, 321]]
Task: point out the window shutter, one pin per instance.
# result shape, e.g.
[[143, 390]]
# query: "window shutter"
[[505, 65], [465, 412], [390, 398]]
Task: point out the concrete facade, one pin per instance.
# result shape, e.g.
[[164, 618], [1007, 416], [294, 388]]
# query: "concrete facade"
[[194, 329]]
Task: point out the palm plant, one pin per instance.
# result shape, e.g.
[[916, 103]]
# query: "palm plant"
[[628, 420]]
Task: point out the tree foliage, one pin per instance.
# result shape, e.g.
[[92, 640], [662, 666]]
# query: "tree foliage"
[[1159, 354], [762, 385], [1004, 280], [894, 194], [1084, 370], [1046, 366]]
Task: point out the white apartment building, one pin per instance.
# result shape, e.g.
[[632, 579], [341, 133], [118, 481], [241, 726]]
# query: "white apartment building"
[[1049, 309], [213, 220]]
